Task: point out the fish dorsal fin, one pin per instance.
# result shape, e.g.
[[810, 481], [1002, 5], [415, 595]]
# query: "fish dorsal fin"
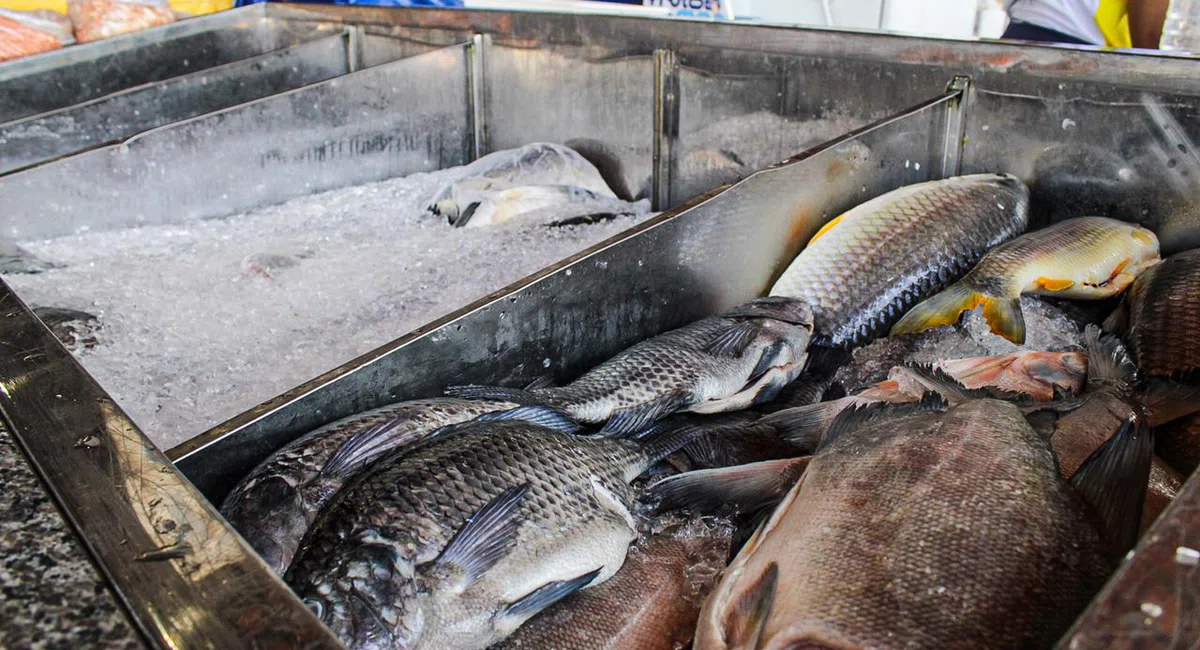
[[497, 393], [486, 537], [542, 416], [780, 308], [546, 595], [858, 416], [747, 617], [1107, 358], [804, 426], [733, 341], [1113, 482], [749, 487], [363, 447]]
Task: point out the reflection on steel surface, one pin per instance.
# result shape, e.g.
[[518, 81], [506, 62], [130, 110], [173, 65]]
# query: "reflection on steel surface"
[[684, 264], [187, 579], [1154, 599]]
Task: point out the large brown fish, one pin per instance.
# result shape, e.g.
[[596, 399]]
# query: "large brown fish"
[[650, 604], [1086, 258], [867, 267], [924, 530], [1161, 317]]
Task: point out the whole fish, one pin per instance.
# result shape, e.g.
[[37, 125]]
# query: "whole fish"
[[539, 163], [1086, 258], [923, 528], [650, 604], [549, 204], [867, 267], [455, 544], [1161, 317], [721, 363], [275, 504]]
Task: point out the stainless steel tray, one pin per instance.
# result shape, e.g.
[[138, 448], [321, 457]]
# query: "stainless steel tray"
[[640, 95]]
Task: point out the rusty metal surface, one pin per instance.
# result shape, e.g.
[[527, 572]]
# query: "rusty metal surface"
[[186, 578]]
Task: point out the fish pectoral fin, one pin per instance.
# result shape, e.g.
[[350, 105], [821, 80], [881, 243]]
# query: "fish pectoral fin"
[[1052, 284], [781, 308], [749, 487], [486, 537], [941, 309], [733, 341], [545, 596], [1107, 357], [543, 416], [746, 619], [362, 448], [627, 421], [1113, 482]]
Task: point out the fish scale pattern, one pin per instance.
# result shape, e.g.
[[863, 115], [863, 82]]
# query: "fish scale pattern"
[[356, 565], [920, 564], [274, 504], [1164, 316], [888, 254]]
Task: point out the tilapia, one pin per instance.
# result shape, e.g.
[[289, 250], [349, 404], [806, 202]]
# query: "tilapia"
[[863, 270], [1086, 258], [274, 505], [650, 604], [540, 163], [923, 528], [1160, 317], [721, 363], [455, 544]]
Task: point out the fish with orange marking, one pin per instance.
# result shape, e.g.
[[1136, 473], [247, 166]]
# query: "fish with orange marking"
[[1089, 258]]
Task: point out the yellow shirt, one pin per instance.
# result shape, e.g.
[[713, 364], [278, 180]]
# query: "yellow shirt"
[[1099, 22]]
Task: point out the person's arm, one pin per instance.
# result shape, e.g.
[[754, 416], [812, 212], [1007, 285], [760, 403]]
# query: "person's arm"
[[1146, 22]]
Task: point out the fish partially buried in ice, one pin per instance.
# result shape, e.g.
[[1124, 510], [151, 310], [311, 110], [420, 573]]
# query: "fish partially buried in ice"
[[650, 604], [721, 363], [455, 544], [548, 204], [540, 163], [1086, 258], [276, 503], [865, 268], [925, 528]]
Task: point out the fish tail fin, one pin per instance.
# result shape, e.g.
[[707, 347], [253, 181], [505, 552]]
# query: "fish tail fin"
[[1002, 313], [748, 488], [943, 308], [1113, 482], [522, 397], [1108, 359], [803, 426]]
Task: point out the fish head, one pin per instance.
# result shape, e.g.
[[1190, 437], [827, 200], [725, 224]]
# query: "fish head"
[[270, 511], [369, 599]]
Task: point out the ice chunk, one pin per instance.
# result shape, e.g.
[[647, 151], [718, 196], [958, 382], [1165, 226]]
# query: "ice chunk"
[[200, 321], [1047, 328]]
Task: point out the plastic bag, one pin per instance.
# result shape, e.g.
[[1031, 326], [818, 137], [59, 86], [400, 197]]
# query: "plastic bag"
[[97, 19], [31, 32]]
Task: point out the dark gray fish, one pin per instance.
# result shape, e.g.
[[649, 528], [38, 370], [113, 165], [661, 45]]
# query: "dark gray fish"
[[274, 505], [721, 363], [1160, 317], [650, 604], [455, 544], [73, 328]]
